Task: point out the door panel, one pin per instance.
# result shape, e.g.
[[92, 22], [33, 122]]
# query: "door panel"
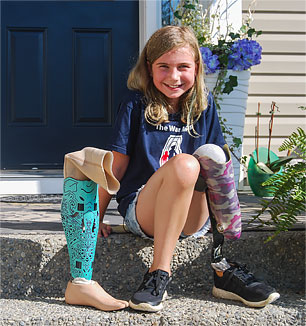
[[92, 77], [26, 61], [64, 71]]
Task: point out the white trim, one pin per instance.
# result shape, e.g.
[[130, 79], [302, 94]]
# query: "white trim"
[[31, 186], [230, 14], [149, 20], [31, 182]]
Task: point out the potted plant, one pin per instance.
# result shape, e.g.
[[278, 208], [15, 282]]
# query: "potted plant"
[[264, 163], [227, 60], [288, 188]]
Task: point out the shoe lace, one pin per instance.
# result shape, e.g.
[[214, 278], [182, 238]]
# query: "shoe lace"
[[156, 282], [243, 274]]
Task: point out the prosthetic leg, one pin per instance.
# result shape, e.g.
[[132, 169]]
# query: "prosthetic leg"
[[219, 179], [231, 280], [80, 219]]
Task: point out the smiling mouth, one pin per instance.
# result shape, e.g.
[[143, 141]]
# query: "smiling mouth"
[[173, 86]]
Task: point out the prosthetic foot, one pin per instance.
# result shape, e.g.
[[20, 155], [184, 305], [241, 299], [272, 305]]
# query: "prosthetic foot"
[[218, 176], [80, 219], [92, 295]]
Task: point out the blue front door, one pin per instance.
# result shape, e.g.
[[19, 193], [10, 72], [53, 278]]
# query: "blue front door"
[[64, 70]]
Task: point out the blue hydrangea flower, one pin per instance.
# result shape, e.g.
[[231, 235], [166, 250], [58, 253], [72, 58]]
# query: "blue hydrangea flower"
[[210, 60], [244, 54]]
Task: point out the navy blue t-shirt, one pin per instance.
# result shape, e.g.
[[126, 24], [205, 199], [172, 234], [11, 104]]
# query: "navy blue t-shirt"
[[149, 147]]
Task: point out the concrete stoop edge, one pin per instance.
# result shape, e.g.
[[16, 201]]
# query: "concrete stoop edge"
[[35, 271]]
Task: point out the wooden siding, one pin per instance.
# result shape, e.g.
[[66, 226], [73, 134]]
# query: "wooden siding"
[[281, 75]]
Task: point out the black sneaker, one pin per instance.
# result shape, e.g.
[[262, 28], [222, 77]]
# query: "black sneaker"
[[151, 292], [237, 283]]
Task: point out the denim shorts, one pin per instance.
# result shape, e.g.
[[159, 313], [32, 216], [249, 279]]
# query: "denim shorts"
[[133, 226], [130, 219]]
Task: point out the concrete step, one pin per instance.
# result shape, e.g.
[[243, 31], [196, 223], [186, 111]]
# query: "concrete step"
[[35, 271], [33, 182]]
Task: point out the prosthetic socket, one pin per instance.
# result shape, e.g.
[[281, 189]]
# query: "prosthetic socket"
[[80, 218], [222, 195], [83, 170]]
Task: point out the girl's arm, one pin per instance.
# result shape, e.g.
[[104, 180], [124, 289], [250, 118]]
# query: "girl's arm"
[[120, 164]]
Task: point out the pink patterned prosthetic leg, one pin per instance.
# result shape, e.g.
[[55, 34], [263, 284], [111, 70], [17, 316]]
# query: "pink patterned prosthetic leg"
[[222, 195]]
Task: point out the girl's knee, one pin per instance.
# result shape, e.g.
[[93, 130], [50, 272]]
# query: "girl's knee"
[[185, 168]]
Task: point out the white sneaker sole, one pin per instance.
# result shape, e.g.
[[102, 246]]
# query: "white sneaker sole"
[[219, 293], [146, 306]]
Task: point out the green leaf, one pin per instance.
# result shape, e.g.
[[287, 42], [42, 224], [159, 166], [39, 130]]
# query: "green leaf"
[[251, 31], [237, 141], [177, 15], [223, 59], [276, 165], [243, 28], [201, 40], [230, 84], [233, 36], [221, 43], [189, 6]]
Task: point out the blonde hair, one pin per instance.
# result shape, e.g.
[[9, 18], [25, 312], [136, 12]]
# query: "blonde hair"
[[194, 101]]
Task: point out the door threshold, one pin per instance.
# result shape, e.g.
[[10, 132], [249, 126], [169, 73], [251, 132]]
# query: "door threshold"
[[31, 182]]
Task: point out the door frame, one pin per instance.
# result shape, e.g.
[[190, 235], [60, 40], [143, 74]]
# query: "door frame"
[[150, 19]]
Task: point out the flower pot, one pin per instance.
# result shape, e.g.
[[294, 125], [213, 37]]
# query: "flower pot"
[[233, 107], [257, 176]]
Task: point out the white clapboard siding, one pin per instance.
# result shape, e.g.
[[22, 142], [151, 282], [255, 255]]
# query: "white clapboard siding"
[[280, 22], [276, 85], [283, 64], [280, 125], [282, 43], [281, 76], [287, 106], [276, 5], [249, 145]]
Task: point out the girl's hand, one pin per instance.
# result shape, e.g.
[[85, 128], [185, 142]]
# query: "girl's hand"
[[104, 230]]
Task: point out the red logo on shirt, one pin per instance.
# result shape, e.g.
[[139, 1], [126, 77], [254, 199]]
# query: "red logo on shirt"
[[171, 148]]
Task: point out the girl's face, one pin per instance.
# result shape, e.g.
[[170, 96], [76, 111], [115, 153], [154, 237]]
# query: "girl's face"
[[174, 73]]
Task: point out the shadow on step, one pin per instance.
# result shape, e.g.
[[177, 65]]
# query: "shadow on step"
[[37, 268]]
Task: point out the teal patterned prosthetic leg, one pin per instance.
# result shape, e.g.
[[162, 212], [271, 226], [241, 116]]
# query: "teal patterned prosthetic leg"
[[80, 219]]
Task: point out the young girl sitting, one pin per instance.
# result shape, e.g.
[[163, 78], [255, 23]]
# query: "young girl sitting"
[[158, 157]]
